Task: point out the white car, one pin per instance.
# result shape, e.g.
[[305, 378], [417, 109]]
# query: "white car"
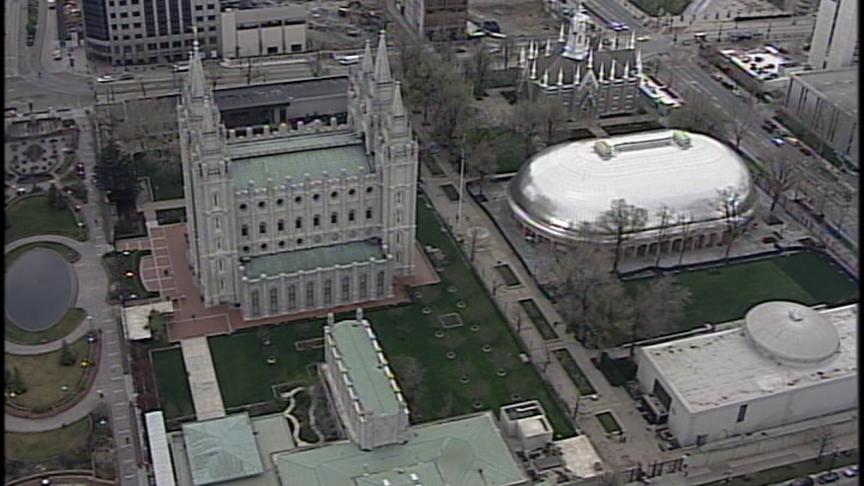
[[643, 38], [105, 79], [181, 68], [57, 54], [349, 60]]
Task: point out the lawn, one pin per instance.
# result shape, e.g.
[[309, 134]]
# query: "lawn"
[[166, 178], [33, 216], [69, 254], [538, 319], [725, 294], [43, 376], [779, 475], [241, 365], [574, 372], [661, 7], [408, 336], [122, 286], [67, 324], [609, 423], [45, 445], [172, 383], [430, 380]]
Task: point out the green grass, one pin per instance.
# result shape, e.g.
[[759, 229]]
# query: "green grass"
[[408, 339], [166, 179], [122, 287], [43, 375], [610, 425], [45, 445], [405, 333], [32, 216], [68, 323], [538, 319], [788, 472], [241, 367], [726, 293], [172, 383], [510, 278], [669, 7], [574, 372], [69, 254]]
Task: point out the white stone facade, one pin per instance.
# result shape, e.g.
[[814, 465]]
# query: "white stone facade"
[[335, 220]]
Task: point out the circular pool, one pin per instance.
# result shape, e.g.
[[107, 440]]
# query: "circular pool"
[[40, 287]]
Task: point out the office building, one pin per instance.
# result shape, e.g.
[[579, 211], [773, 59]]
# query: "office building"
[[835, 37]]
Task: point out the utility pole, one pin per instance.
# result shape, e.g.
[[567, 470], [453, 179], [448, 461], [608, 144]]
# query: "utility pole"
[[461, 190]]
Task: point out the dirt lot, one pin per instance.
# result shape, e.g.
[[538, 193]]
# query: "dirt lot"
[[516, 17]]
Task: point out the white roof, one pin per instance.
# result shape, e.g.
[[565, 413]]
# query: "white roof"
[[574, 183], [791, 333], [722, 368], [580, 457], [136, 319], [160, 457]]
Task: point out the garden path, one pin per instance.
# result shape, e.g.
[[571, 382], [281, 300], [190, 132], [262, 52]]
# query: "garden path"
[[203, 384]]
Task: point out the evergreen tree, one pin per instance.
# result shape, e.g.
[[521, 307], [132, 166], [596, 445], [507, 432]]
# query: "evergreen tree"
[[55, 200], [18, 384], [67, 357]]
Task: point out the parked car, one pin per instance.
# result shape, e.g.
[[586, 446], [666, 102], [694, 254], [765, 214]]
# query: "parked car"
[[57, 54], [828, 477], [806, 481], [105, 79], [126, 76], [771, 124], [349, 60], [804, 150], [778, 141], [851, 471], [643, 38], [179, 68]]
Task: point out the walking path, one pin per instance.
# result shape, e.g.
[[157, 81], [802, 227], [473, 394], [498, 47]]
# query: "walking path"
[[493, 250], [202, 379], [113, 386]]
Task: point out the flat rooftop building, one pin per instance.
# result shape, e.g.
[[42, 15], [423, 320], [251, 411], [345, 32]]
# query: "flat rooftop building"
[[825, 103], [787, 363]]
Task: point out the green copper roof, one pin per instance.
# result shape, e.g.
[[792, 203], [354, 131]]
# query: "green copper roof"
[[445, 453], [360, 359], [222, 449], [263, 159], [320, 257]]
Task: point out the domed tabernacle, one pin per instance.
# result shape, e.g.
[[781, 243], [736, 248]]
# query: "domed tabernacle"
[[570, 186]]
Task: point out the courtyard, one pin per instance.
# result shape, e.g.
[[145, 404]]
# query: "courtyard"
[[447, 366]]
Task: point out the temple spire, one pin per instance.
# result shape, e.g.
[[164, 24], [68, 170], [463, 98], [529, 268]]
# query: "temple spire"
[[578, 77], [561, 36], [632, 40], [612, 70], [533, 69], [548, 51], [560, 77], [639, 62], [590, 59], [197, 82], [545, 81], [368, 65], [398, 108], [382, 61], [522, 56], [626, 69]]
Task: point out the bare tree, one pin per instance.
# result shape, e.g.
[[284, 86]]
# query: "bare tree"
[[684, 225], [657, 307], [729, 203], [527, 121], [664, 224], [700, 116], [823, 438], [781, 177], [479, 67], [620, 221], [741, 120], [316, 65], [481, 158], [610, 312], [580, 274]]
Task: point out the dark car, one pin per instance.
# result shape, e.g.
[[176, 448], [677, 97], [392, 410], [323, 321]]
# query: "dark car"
[[808, 481], [491, 26], [804, 150], [829, 477]]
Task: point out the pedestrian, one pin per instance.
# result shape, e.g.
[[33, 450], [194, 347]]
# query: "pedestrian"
[[101, 395]]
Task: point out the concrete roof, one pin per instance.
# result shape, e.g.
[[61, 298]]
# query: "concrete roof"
[[368, 372], [222, 449], [580, 457], [285, 12], [448, 453], [136, 319], [261, 159], [839, 87], [723, 368], [335, 87], [321, 257]]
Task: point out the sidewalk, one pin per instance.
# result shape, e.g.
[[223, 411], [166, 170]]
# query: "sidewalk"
[[491, 250]]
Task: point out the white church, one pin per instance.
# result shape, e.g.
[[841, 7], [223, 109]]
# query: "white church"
[[296, 218]]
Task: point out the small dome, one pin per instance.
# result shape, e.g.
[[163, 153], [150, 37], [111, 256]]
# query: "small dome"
[[791, 332]]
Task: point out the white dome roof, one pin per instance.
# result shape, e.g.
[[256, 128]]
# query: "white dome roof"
[[791, 332], [568, 185]]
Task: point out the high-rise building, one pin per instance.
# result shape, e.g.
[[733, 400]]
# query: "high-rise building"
[[124, 32], [304, 217], [436, 19], [835, 36]]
